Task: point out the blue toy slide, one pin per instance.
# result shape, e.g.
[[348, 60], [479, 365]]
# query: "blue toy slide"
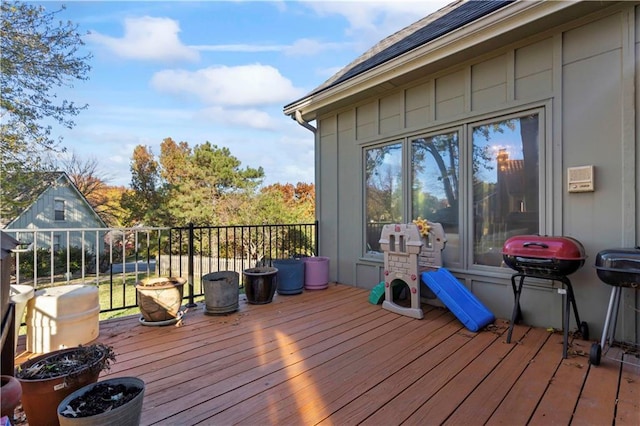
[[464, 305]]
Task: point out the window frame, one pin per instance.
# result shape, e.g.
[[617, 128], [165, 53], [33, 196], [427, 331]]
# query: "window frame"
[[464, 128], [56, 211], [543, 168]]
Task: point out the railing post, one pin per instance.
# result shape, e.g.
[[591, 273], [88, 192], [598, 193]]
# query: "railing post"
[[191, 303]]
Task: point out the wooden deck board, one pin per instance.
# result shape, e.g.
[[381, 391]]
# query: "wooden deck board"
[[522, 399], [330, 357]]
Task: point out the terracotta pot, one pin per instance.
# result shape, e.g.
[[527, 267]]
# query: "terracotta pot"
[[10, 391], [40, 397], [127, 414], [160, 298]]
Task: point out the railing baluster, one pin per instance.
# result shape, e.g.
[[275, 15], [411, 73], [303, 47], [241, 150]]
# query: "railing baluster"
[[234, 247]]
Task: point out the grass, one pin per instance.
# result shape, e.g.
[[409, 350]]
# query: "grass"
[[114, 295]]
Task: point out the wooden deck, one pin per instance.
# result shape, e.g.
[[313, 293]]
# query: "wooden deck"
[[330, 357]]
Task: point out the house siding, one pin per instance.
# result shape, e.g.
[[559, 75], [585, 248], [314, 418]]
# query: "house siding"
[[41, 215], [584, 74]]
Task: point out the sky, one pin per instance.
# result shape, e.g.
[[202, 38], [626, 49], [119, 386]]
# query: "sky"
[[214, 71]]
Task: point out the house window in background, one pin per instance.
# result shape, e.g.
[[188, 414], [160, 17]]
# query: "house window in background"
[[56, 242], [505, 178], [58, 207], [383, 191], [435, 173]]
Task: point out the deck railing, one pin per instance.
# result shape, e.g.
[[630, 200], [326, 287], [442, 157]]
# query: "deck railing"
[[115, 259]]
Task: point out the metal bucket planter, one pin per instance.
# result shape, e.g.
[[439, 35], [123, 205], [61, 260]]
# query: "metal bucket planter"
[[260, 284], [221, 292], [290, 276], [160, 299], [127, 414]]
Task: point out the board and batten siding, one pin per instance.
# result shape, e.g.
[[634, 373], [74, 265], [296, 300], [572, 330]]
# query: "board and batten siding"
[[585, 77], [41, 215]]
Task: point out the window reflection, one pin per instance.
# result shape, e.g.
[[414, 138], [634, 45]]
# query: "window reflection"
[[434, 185], [505, 185], [383, 183]]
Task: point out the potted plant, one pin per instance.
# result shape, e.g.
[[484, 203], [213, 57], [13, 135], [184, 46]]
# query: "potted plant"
[[114, 401], [47, 379], [160, 299]]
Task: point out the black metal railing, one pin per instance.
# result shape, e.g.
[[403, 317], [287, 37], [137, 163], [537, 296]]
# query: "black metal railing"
[[115, 259]]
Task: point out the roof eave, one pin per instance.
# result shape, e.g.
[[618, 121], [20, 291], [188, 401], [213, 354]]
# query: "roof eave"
[[497, 23]]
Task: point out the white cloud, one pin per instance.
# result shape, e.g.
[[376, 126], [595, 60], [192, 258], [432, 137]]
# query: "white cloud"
[[245, 48], [148, 38], [245, 85], [370, 21], [310, 47], [252, 118]]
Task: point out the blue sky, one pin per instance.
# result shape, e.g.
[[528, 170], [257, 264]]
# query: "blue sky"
[[216, 71]]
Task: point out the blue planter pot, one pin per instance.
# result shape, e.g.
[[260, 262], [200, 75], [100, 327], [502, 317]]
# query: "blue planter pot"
[[290, 275]]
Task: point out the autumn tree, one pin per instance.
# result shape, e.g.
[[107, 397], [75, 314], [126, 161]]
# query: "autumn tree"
[[201, 181], [143, 201], [38, 54]]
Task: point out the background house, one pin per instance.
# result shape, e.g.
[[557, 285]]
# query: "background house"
[[474, 117], [56, 203]]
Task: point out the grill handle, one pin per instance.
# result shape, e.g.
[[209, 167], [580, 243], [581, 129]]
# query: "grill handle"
[[535, 243]]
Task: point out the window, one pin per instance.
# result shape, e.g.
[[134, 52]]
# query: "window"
[[482, 191], [383, 186], [434, 185], [58, 207], [505, 184], [56, 242]]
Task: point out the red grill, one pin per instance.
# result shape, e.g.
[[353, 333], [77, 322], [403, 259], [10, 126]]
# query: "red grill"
[[550, 258], [543, 256]]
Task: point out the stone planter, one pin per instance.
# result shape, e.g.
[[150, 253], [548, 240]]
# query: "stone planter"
[[160, 298], [221, 292], [260, 284], [127, 414]]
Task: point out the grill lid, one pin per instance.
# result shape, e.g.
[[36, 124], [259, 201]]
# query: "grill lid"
[[620, 259], [544, 247]]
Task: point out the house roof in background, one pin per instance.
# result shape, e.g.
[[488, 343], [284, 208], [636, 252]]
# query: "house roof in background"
[[449, 18], [43, 181]]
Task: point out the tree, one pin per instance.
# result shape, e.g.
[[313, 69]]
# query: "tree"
[[209, 178], [144, 199], [37, 55]]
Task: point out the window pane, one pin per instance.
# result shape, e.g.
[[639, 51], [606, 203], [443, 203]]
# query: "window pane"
[[434, 186], [59, 209], [383, 183], [505, 185]]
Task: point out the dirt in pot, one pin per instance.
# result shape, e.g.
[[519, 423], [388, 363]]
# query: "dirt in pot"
[[101, 398], [97, 357]]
